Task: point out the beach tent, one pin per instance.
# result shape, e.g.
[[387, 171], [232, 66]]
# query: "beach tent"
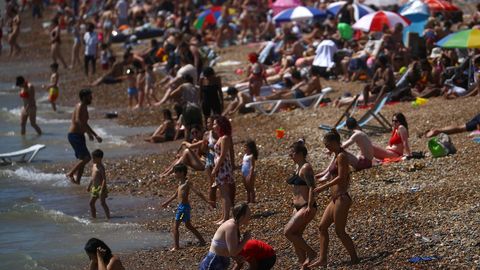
[[417, 12], [280, 5]]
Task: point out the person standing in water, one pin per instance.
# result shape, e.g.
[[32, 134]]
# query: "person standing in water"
[[29, 110], [76, 135], [55, 42], [53, 86]]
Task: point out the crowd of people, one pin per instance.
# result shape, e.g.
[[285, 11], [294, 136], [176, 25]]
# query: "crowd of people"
[[291, 63]]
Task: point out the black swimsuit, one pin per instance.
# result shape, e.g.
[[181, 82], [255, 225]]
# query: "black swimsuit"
[[296, 180]]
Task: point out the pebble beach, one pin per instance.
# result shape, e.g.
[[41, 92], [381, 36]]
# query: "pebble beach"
[[427, 207]]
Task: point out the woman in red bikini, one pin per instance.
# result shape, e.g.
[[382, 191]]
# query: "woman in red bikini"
[[29, 110], [398, 144], [337, 210]]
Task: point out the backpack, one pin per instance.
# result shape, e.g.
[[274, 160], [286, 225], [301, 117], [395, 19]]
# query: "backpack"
[[441, 146]]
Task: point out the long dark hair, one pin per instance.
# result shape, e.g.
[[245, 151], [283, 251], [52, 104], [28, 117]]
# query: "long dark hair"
[[252, 146], [239, 211], [401, 119], [92, 245]]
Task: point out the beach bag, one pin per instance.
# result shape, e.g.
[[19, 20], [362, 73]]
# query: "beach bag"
[[441, 146]]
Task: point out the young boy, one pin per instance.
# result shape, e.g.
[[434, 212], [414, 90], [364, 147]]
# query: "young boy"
[[98, 184], [132, 88], [53, 86], [183, 211]]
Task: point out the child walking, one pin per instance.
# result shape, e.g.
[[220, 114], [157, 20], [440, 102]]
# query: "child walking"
[[53, 86], [183, 210], [98, 185], [248, 169], [132, 88], [150, 86]]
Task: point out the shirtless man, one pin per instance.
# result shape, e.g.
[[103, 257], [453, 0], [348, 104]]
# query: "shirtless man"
[[360, 162], [238, 103], [183, 210], [76, 135], [383, 81], [29, 110]]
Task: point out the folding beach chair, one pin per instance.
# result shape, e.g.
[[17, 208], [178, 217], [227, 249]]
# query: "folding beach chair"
[[374, 113], [340, 124], [269, 107]]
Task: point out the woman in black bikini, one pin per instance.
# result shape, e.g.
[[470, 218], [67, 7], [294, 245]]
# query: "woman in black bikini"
[[337, 210], [305, 208]]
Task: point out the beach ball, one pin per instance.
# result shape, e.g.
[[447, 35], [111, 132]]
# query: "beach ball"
[[279, 133], [345, 30]]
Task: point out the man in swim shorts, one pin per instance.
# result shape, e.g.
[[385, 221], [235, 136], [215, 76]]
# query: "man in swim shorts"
[[364, 160], [76, 135], [473, 124]]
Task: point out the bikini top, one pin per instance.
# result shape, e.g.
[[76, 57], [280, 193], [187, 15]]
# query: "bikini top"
[[296, 180], [24, 94], [395, 138]]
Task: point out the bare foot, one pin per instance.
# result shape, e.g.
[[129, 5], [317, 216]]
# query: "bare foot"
[[431, 133], [310, 258], [174, 249], [71, 178], [318, 262]]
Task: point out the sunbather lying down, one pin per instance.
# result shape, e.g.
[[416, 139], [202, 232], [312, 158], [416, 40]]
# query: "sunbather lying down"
[[299, 87], [473, 124]]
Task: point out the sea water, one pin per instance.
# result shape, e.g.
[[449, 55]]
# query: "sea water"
[[45, 220]]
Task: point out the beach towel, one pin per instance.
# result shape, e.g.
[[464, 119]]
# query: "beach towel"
[[324, 54]]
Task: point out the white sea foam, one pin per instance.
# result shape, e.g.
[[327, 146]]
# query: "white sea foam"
[[108, 138], [15, 112], [28, 174]]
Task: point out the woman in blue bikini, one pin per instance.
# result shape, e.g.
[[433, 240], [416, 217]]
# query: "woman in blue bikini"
[[226, 242]]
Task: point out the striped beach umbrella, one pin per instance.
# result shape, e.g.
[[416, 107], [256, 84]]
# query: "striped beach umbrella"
[[208, 17], [440, 5], [359, 9], [374, 22], [299, 14], [461, 39]]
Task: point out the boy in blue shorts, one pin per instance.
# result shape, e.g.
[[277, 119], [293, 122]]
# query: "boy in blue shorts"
[[183, 210]]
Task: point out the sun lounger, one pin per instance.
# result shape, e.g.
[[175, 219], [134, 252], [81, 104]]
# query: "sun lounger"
[[34, 149], [269, 107]]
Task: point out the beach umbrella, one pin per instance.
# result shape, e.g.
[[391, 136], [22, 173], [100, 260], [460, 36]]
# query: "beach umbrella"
[[208, 17], [382, 3], [415, 10], [359, 9], [375, 21], [461, 39], [299, 14], [281, 5], [440, 5]]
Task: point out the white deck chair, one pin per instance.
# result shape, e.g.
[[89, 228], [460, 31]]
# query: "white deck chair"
[[269, 107], [34, 149]]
